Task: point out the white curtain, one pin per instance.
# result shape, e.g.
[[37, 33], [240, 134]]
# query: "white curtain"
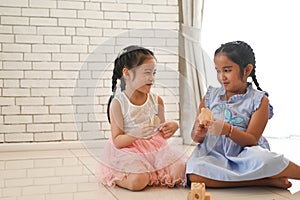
[[192, 63]]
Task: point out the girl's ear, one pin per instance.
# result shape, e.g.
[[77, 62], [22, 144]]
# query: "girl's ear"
[[125, 72], [248, 69]]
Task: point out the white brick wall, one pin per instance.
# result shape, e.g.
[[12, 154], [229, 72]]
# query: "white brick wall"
[[56, 63]]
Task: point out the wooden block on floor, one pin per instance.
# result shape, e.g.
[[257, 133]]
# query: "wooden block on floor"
[[198, 192]]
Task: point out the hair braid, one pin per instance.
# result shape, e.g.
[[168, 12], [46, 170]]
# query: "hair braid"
[[249, 54], [253, 76], [113, 88]]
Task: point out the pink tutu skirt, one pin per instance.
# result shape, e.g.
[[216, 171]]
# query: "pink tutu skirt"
[[165, 165]]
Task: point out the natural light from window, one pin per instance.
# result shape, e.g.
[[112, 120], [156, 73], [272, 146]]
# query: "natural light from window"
[[271, 27]]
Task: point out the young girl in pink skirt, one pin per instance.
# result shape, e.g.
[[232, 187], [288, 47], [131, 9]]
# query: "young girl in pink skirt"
[[137, 153]]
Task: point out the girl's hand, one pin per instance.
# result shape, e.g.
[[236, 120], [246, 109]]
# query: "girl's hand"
[[168, 128], [199, 131], [216, 127]]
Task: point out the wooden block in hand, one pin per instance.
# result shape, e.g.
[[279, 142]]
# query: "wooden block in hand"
[[155, 121], [205, 116]]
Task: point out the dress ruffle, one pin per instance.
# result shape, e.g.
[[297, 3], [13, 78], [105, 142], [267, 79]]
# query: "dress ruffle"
[[165, 165]]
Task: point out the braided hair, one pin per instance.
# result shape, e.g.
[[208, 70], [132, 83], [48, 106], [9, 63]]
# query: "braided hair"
[[129, 57], [242, 54]]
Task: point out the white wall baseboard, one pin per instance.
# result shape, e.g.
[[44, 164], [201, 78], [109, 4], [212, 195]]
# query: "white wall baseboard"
[[39, 146]]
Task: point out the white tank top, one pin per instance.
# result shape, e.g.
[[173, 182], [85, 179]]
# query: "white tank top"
[[135, 116]]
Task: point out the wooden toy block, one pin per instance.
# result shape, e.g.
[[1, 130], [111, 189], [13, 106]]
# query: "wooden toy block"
[[197, 192], [205, 116], [155, 121]]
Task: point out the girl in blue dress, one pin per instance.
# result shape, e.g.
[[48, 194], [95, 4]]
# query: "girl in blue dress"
[[232, 151]]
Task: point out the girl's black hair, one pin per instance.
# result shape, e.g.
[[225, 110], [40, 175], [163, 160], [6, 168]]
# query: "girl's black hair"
[[130, 57], [242, 54]]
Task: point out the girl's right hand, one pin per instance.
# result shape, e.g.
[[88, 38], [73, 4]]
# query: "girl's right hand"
[[199, 131]]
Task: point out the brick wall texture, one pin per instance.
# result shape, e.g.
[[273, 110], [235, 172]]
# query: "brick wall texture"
[[56, 60]]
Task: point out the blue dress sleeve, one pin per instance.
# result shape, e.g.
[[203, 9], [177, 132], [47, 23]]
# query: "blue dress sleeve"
[[257, 102], [208, 96]]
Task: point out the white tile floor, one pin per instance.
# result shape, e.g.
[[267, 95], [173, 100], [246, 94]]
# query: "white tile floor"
[[70, 175]]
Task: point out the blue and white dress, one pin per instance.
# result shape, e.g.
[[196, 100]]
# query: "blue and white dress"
[[220, 158]]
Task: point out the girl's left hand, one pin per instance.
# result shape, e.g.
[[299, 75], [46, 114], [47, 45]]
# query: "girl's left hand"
[[216, 127], [168, 129]]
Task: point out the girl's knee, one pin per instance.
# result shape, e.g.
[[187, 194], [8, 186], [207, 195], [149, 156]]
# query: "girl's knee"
[[178, 166], [138, 182]]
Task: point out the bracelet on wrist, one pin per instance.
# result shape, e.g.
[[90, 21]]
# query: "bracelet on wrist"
[[230, 131]]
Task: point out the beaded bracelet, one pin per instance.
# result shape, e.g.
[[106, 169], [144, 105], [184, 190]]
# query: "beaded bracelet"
[[230, 131]]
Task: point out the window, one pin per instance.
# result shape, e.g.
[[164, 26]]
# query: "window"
[[271, 28]]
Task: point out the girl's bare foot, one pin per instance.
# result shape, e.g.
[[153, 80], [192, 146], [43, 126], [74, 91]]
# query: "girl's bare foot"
[[280, 183]]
